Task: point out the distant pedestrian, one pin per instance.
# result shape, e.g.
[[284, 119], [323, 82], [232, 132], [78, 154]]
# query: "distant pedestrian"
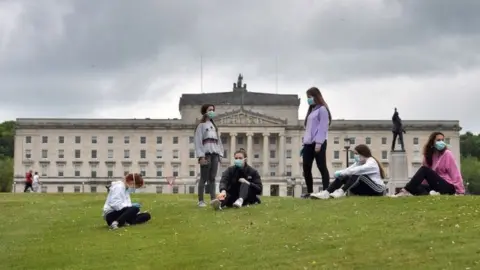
[[28, 181]]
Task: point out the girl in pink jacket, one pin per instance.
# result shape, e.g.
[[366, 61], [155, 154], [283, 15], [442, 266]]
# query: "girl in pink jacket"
[[439, 173]]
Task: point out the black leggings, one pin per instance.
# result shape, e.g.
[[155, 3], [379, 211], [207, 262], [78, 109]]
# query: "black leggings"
[[435, 182], [309, 155], [360, 185], [128, 215]]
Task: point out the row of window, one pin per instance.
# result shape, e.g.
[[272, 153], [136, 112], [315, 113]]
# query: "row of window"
[[175, 154], [239, 140], [110, 139]]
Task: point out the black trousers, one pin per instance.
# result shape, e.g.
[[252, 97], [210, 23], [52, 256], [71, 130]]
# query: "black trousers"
[[128, 215], [246, 192], [360, 185], [400, 139], [435, 182], [320, 158], [28, 185]]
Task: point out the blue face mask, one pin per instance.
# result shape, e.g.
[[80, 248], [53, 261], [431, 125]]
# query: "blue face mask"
[[238, 163], [130, 190], [211, 114], [440, 145], [356, 158], [310, 101]]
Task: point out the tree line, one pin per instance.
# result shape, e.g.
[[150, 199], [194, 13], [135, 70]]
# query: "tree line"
[[469, 160]]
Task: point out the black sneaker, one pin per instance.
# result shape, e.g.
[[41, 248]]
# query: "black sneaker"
[[305, 196]]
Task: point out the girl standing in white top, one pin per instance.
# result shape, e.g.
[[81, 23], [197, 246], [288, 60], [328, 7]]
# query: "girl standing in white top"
[[36, 182], [363, 178]]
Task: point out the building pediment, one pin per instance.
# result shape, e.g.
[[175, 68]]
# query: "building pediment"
[[248, 118]]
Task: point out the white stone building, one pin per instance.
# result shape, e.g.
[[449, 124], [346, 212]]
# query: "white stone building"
[[83, 155]]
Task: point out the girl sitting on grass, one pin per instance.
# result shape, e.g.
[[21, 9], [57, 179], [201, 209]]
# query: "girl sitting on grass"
[[118, 209], [363, 178]]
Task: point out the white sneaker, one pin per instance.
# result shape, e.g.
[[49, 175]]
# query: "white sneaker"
[[322, 195], [216, 204], [114, 225], [202, 204], [238, 203], [434, 193], [402, 194], [338, 193]]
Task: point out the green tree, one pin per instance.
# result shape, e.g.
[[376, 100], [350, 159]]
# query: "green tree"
[[6, 174], [470, 145], [471, 174], [7, 135]]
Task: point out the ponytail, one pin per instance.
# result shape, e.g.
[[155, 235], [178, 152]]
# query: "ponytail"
[[380, 167]]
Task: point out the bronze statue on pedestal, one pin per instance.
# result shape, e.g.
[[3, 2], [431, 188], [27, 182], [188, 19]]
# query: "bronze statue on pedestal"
[[398, 131]]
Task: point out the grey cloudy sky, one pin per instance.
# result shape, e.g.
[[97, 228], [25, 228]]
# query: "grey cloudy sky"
[[122, 58]]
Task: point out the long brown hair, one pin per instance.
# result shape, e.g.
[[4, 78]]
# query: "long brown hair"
[[364, 151], [429, 149], [203, 111], [135, 178], [319, 100]]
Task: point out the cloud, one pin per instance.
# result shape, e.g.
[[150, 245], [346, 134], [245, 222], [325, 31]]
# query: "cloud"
[[124, 59]]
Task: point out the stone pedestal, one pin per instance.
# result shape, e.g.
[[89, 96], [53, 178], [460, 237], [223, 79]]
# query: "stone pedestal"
[[298, 190], [283, 190], [398, 170]]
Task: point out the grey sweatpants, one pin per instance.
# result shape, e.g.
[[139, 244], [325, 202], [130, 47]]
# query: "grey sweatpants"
[[208, 172]]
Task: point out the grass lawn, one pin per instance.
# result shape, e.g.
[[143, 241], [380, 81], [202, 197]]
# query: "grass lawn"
[[66, 231]]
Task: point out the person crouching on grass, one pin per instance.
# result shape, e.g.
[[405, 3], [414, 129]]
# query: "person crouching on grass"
[[363, 178], [240, 184], [119, 209]]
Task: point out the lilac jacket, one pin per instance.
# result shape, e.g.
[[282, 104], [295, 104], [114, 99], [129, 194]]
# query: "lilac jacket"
[[316, 131]]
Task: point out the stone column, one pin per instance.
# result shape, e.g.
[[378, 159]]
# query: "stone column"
[[398, 171], [296, 158], [250, 146], [281, 155], [233, 145], [266, 154]]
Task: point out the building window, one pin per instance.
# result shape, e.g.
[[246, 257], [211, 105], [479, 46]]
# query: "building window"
[[60, 189], [143, 140], [290, 191], [61, 139], [110, 153], [447, 140], [44, 169], [272, 153], [175, 190], [94, 140], [77, 171], [224, 139], [191, 189], [159, 171], [239, 140], [28, 154], [288, 140], [175, 154], [94, 153], [352, 140], [110, 171], [76, 189], [415, 141], [61, 153], [273, 140], [126, 140], [175, 140], [28, 139], [77, 153], [288, 170], [126, 153], [44, 153], [192, 170], [159, 154], [175, 168], [256, 140], [191, 139], [44, 139], [143, 153], [60, 169], [351, 154], [384, 140], [143, 170], [159, 189], [78, 139], [336, 154], [368, 140], [93, 189], [225, 153], [191, 153], [384, 154], [110, 139], [273, 170], [288, 154], [336, 140], [93, 173], [159, 140], [255, 156]]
